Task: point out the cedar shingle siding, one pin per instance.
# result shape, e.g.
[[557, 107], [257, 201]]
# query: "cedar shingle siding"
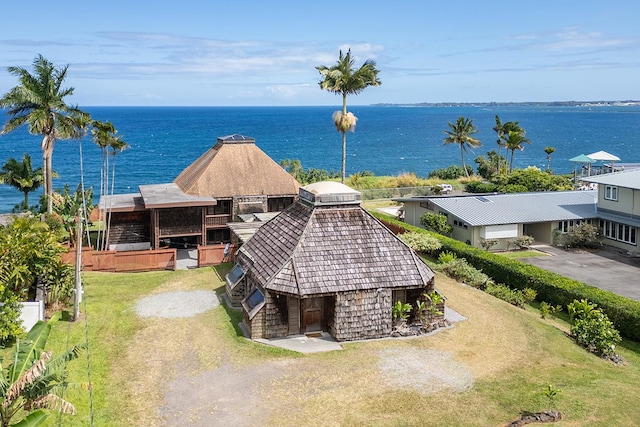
[[338, 252]]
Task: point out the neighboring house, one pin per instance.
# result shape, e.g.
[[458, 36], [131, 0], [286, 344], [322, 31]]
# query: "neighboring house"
[[619, 208], [231, 179], [505, 217], [325, 264]]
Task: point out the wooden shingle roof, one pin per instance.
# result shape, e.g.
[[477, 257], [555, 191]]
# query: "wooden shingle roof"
[[324, 250], [235, 166]]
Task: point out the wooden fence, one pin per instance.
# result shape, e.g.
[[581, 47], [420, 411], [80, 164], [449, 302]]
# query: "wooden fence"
[[215, 254], [126, 261]]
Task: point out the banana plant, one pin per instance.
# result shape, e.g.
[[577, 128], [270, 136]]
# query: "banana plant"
[[32, 381]]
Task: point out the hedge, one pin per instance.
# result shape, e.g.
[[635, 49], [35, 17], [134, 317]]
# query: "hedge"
[[550, 287]]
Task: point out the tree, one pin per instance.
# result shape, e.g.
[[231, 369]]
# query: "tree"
[[436, 222], [549, 151], [21, 176], [460, 134], [513, 141], [499, 129], [343, 79], [34, 379], [39, 102], [106, 138]]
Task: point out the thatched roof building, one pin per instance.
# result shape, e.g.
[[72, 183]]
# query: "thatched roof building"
[[325, 264], [233, 178]]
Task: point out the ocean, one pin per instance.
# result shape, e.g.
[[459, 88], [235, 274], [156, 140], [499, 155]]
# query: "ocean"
[[388, 140]]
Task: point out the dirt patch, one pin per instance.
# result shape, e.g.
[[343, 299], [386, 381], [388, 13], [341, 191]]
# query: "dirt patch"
[[427, 371], [179, 304]]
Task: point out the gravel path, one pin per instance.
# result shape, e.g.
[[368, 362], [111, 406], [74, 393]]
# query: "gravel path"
[[180, 304]]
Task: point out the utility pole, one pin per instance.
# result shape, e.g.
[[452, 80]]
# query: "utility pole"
[[78, 288]]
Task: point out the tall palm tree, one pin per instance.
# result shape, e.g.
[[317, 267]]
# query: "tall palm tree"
[[549, 151], [460, 133], [39, 102], [513, 142], [344, 80], [106, 138], [21, 176]]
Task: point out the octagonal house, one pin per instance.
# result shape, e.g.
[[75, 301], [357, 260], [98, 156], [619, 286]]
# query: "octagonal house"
[[325, 264]]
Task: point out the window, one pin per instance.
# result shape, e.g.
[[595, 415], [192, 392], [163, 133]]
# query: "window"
[[254, 302], [566, 225], [620, 232], [611, 193], [235, 276], [459, 223]]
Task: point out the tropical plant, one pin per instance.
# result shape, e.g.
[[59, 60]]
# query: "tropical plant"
[[434, 300], [549, 151], [22, 177], [436, 222], [490, 166], [400, 311], [547, 309], [460, 133], [519, 298], [592, 329], [34, 380], [343, 79], [110, 144], [446, 257], [39, 102], [551, 393], [513, 141], [67, 206]]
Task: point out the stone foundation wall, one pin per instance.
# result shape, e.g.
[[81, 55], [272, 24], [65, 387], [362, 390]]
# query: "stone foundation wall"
[[362, 315]]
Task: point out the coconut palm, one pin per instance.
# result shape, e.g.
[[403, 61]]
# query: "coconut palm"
[[34, 379], [549, 151], [21, 176], [460, 133], [344, 80], [513, 141], [39, 102], [106, 138]]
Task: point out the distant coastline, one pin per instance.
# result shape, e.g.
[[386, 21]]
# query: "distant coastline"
[[628, 103]]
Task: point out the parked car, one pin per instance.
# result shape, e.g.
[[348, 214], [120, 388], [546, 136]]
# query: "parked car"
[[445, 188]]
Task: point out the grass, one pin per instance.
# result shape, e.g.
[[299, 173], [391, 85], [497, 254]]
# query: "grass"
[[523, 254], [512, 354]]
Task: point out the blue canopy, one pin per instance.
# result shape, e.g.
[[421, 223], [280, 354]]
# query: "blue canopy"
[[582, 158]]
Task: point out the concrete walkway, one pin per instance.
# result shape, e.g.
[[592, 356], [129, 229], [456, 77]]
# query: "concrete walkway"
[[604, 268]]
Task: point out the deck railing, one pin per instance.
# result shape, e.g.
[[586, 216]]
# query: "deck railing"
[[217, 220]]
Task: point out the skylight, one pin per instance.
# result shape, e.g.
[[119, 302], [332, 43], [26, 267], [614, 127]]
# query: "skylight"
[[483, 199]]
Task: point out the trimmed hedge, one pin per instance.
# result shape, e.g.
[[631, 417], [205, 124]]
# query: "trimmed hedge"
[[550, 287]]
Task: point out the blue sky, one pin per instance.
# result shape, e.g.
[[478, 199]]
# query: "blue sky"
[[224, 53]]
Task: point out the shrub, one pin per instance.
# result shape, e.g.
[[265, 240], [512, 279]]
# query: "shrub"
[[581, 235], [488, 243], [400, 311], [446, 257], [436, 222], [460, 270], [421, 242], [551, 287], [452, 172], [523, 242], [480, 187], [547, 309], [592, 329], [514, 297]]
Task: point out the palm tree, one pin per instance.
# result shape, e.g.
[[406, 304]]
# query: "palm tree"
[[105, 136], [513, 142], [549, 151], [499, 129], [39, 102], [460, 134], [21, 176], [344, 80]]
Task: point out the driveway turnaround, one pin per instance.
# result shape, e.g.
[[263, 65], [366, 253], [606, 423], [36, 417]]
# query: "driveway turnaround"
[[606, 269]]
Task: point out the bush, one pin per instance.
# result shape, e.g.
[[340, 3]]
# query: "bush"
[[480, 187], [547, 309], [460, 270], [551, 287], [436, 222], [580, 236], [452, 172], [592, 329], [420, 242], [514, 297], [446, 257]]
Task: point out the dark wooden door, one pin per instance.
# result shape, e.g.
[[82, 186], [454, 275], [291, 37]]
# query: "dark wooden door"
[[312, 314]]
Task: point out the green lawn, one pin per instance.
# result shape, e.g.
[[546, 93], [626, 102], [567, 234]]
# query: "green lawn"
[[511, 353], [523, 254]]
